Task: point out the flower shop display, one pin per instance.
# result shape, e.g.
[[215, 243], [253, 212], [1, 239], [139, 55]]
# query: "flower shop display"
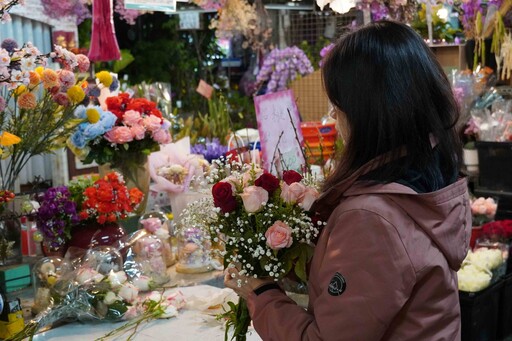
[[264, 224], [32, 95], [193, 237], [280, 67], [121, 136], [483, 210], [85, 213], [96, 288]]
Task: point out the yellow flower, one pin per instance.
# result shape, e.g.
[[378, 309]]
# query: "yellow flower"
[[105, 78], [50, 78], [20, 89], [27, 100], [76, 94], [92, 115], [39, 70], [8, 139]]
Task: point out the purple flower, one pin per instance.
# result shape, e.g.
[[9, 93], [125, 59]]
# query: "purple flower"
[[10, 45], [211, 149]]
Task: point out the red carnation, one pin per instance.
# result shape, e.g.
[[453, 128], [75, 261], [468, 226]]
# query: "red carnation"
[[291, 176], [223, 197], [267, 181]]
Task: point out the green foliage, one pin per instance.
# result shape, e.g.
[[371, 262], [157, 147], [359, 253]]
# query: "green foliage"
[[440, 28], [312, 51]]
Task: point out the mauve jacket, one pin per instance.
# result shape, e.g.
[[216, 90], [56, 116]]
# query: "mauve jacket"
[[384, 268]]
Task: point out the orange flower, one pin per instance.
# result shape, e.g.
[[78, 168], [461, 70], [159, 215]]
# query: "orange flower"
[[27, 100], [136, 195], [50, 78], [34, 78]]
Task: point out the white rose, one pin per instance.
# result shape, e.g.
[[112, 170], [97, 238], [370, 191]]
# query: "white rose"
[[142, 283], [116, 279], [128, 292], [110, 298], [170, 311], [86, 275]]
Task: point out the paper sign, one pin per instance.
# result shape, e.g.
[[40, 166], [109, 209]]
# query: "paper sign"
[[280, 139], [205, 89], [189, 21], [151, 5]]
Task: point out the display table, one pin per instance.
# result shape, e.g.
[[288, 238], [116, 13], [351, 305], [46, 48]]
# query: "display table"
[[188, 325]]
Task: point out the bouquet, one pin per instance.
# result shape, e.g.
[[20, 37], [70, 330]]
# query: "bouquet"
[[97, 287], [34, 96], [265, 226]]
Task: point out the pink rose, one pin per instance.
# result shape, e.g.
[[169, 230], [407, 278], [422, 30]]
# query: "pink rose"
[[309, 197], [279, 236], [254, 198], [83, 62], [119, 135], [152, 123], [151, 224], [233, 181], [161, 136], [138, 131], [248, 179], [132, 117], [292, 193]]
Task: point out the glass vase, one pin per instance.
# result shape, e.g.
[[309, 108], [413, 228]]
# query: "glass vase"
[[89, 235], [45, 274], [167, 251], [135, 174], [10, 238], [194, 249]]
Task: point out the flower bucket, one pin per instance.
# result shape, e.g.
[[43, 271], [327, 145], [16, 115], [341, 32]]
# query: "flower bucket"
[[470, 157]]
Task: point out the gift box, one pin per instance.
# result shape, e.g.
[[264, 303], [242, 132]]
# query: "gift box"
[[15, 277], [479, 313]]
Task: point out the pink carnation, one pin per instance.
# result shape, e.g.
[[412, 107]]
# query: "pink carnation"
[[152, 123], [119, 135], [138, 131], [66, 78], [132, 117], [162, 136], [61, 99], [83, 62]]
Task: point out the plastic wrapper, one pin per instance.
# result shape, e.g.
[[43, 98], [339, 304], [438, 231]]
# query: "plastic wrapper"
[[104, 284]]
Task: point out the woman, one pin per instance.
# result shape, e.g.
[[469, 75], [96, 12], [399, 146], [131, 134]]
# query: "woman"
[[384, 267]]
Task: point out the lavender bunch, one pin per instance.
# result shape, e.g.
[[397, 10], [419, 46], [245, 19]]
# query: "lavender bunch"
[[283, 66], [211, 149], [56, 215]]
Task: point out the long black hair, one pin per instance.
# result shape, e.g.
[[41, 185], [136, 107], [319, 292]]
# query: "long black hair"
[[395, 95]]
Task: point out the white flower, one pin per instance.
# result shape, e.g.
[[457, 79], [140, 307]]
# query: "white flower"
[[116, 279], [142, 283], [86, 275], [128, 292], [110, 298], [170, 311]]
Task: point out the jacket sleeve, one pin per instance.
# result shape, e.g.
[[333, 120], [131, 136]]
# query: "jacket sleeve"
[[366, 250]]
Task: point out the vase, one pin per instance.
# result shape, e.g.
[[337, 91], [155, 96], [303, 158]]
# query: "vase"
[[470, 157], [10, 238], [94, 234], [135, 174]]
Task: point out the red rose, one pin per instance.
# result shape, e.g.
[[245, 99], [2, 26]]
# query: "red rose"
[[291, 176], [223, 197], [267, 181]]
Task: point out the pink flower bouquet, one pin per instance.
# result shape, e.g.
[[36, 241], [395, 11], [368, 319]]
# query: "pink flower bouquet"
[[265, 225]]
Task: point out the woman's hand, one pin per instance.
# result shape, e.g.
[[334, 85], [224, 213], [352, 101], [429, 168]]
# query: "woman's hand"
[[241, 284]]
